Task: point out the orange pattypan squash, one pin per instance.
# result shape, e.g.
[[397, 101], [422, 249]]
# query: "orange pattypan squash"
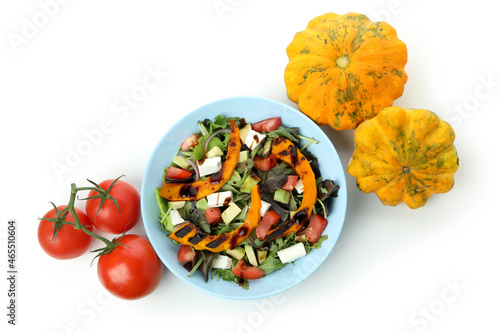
[[344, 69]]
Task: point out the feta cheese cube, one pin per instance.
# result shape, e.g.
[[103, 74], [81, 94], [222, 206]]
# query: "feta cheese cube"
[[264, 207], [223, 262], [254, 139], [299, 186], [219, 199], [176, 217], [292, 253], [208, 166]]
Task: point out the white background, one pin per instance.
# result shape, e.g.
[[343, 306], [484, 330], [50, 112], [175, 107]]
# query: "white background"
[[393, 270]]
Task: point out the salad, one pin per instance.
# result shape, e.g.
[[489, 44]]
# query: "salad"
[[243, 200]]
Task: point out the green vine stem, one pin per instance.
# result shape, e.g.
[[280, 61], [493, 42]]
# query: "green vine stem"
[[59, 220]]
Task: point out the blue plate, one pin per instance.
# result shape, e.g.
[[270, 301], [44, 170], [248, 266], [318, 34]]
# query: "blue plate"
[[252, 109]]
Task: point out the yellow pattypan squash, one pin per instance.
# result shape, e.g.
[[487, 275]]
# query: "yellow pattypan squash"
[[404, 155]]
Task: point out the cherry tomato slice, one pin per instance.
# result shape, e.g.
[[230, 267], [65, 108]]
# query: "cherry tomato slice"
[[291, 182], [185, 254], [213, 215], [243, 271], [267, 125], [317, 224], [190, 142], [265, 163], [269, 219], [177, 173]]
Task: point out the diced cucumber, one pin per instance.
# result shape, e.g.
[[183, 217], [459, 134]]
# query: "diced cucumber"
[[252, 259], [230, 213], [244, 155], [176, 204], [244, 131], [182, 162], [202, 204], [250, 182], [261, 255], [282, 196], [215, 152], [237, 253]]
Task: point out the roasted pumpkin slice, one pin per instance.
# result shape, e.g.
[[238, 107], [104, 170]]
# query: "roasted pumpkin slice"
[[189, 234], [404, 155], [286, 151], [201, 188]]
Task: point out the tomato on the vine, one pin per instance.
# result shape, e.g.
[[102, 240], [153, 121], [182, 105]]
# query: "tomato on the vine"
[[108, 218], [69, 243], [131, 270]]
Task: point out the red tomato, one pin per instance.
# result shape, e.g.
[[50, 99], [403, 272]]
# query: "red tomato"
[[267, 125], [317, 224], [177, 173], [290, 184], [265, 163], [243, 271], [70, 243], [213, 215], [132, 270], [109, 219], [269, 219], [190, 142], [185, 254]]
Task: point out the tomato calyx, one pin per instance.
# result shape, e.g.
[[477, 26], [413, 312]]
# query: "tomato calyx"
[[103, 195], [61, 215], [58, 221], [109, 247]]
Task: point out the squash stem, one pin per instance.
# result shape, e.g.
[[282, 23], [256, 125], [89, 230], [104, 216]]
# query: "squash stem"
[[343, 62]]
